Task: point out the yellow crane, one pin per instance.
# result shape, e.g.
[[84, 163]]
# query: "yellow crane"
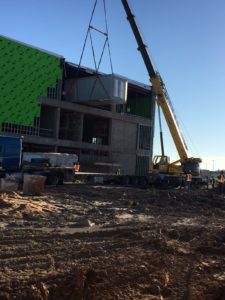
[[161, 163]]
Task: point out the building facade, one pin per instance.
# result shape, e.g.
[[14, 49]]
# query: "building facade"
[[57, 106]]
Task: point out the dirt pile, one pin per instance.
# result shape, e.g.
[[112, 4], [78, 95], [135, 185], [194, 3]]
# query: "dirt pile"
[[104, 242]]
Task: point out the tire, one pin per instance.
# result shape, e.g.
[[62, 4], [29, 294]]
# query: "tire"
[[55, 179]]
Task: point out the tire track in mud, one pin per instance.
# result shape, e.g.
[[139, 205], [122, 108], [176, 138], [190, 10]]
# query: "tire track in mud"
[[129, 260], [17, 264], [43, 257]]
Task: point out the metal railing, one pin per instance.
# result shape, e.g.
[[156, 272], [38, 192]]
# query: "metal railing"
[[55, 93], [27, 130]]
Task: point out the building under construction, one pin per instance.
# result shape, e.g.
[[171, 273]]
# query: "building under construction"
[[58, 106]]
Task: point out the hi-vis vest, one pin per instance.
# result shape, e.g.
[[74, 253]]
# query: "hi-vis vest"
[[76, 167], [221, 179], [189, 177]]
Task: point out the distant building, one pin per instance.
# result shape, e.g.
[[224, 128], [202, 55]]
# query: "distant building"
[[107, 120]]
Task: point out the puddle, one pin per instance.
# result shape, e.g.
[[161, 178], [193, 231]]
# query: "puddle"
[[219, 276], [124, 216], [2, 225], [187, 222], [134, 217], [102, 203]]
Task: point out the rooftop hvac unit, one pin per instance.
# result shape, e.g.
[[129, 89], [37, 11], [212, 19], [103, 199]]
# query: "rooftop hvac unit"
[[103, 88]]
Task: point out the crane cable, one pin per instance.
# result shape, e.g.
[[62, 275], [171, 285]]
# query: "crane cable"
[[107, 31], [85, 41], [97, 65]]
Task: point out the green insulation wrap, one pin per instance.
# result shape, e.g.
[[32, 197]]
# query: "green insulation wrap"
[[26, 73], [140, 106]]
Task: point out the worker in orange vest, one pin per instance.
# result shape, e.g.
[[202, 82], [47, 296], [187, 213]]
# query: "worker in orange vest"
[[220, 180], [76, 167], [188, 180]]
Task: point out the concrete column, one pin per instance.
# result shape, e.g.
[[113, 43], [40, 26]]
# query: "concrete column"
[[80, 135], [113, 108], [57, 122]]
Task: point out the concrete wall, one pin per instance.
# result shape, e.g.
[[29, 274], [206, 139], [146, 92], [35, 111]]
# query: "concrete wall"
[[123, 145], [122, 150]]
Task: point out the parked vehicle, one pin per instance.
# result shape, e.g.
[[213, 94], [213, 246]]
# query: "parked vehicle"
[[57, 167]]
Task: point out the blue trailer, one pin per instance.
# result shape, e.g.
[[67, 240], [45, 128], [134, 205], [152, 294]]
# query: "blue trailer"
[[10, 153]]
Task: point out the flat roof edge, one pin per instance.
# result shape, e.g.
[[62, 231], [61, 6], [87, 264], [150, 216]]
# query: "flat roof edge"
[[31, 46]]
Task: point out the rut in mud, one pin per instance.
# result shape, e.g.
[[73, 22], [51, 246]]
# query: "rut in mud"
[[99, 242]]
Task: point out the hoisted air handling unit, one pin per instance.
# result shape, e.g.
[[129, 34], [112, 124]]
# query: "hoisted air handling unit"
[[108, 89]]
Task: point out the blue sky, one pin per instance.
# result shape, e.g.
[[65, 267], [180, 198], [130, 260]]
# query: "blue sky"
[[186, 40]]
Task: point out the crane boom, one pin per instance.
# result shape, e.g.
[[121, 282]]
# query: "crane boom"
[[141, 45], [159, 89]]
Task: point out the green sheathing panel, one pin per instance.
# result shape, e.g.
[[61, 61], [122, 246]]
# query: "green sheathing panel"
[[25, 75], [140, 106]]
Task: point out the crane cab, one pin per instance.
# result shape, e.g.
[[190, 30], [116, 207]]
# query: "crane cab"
[[161, 164]]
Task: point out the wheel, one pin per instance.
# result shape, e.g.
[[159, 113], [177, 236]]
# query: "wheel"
[[55, 179]]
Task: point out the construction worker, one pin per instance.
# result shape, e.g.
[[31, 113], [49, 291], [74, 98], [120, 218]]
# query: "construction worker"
[[213, 182], [76, 167], [188, 180], [220, 180]]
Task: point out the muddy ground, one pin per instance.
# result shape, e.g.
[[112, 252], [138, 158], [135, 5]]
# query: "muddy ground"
[[104, 242]]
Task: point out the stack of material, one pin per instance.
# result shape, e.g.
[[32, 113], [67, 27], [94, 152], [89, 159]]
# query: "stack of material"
[[33, 184], [8, 185]]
